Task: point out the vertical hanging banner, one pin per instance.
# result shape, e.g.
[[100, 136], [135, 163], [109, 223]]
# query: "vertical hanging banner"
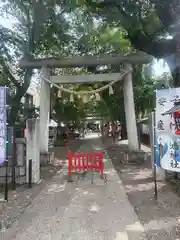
[[168, 129], [3, 126]]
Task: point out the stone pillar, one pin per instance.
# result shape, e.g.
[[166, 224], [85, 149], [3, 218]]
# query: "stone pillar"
[[32, 149], [44, 110], [130, 111]]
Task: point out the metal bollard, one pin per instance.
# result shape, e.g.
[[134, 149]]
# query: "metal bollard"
[[6, 182], [14, 159], [30, 173]]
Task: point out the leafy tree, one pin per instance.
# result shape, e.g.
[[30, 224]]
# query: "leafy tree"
[[67, 29], [151, 26], [36, 30]]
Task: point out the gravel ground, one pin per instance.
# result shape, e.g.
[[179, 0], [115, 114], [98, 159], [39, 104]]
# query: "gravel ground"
[[80, 209], [160, 218], [22, 197]]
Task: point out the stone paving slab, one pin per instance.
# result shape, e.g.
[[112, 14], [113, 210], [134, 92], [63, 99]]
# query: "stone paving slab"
[[79, 210]]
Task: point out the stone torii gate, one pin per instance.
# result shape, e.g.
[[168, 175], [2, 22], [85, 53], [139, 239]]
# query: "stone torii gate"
[[86, 61]]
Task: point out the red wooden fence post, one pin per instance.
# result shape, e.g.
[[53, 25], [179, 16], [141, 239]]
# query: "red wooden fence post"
[[70, 156], [79, 162]]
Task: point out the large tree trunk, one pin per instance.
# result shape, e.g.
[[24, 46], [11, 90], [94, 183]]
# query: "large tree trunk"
[[174, 66], [15, 106], [17, 98], [176, 77]]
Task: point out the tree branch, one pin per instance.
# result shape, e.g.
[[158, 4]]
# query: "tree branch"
[[158, 48], [17, 98], [163, 9], [139, 39], [7, 72]]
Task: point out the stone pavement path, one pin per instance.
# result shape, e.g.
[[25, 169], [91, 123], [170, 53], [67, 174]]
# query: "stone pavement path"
[[79, 210], [22, 197]]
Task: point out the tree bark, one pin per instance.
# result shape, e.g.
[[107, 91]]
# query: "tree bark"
[[162, 49], [15, 107], [17, 98], [176, 76], [174, 68]]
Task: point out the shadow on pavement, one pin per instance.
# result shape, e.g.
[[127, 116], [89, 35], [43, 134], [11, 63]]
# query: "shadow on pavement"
[[22, 197], [159, 218]]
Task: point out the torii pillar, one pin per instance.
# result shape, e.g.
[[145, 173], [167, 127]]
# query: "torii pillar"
[[44, 110], [130, 111]]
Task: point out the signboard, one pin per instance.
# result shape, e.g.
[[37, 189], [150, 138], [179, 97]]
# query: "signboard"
[[167, 129], [3, 125]]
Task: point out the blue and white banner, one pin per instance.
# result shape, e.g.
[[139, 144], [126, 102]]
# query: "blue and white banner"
[[167, 129], [3, 126]]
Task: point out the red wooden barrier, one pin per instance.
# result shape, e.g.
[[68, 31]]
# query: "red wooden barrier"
[[85, 162]]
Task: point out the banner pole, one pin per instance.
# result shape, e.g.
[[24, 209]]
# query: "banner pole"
[[6, 182], [154, 143], [13, 159]]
